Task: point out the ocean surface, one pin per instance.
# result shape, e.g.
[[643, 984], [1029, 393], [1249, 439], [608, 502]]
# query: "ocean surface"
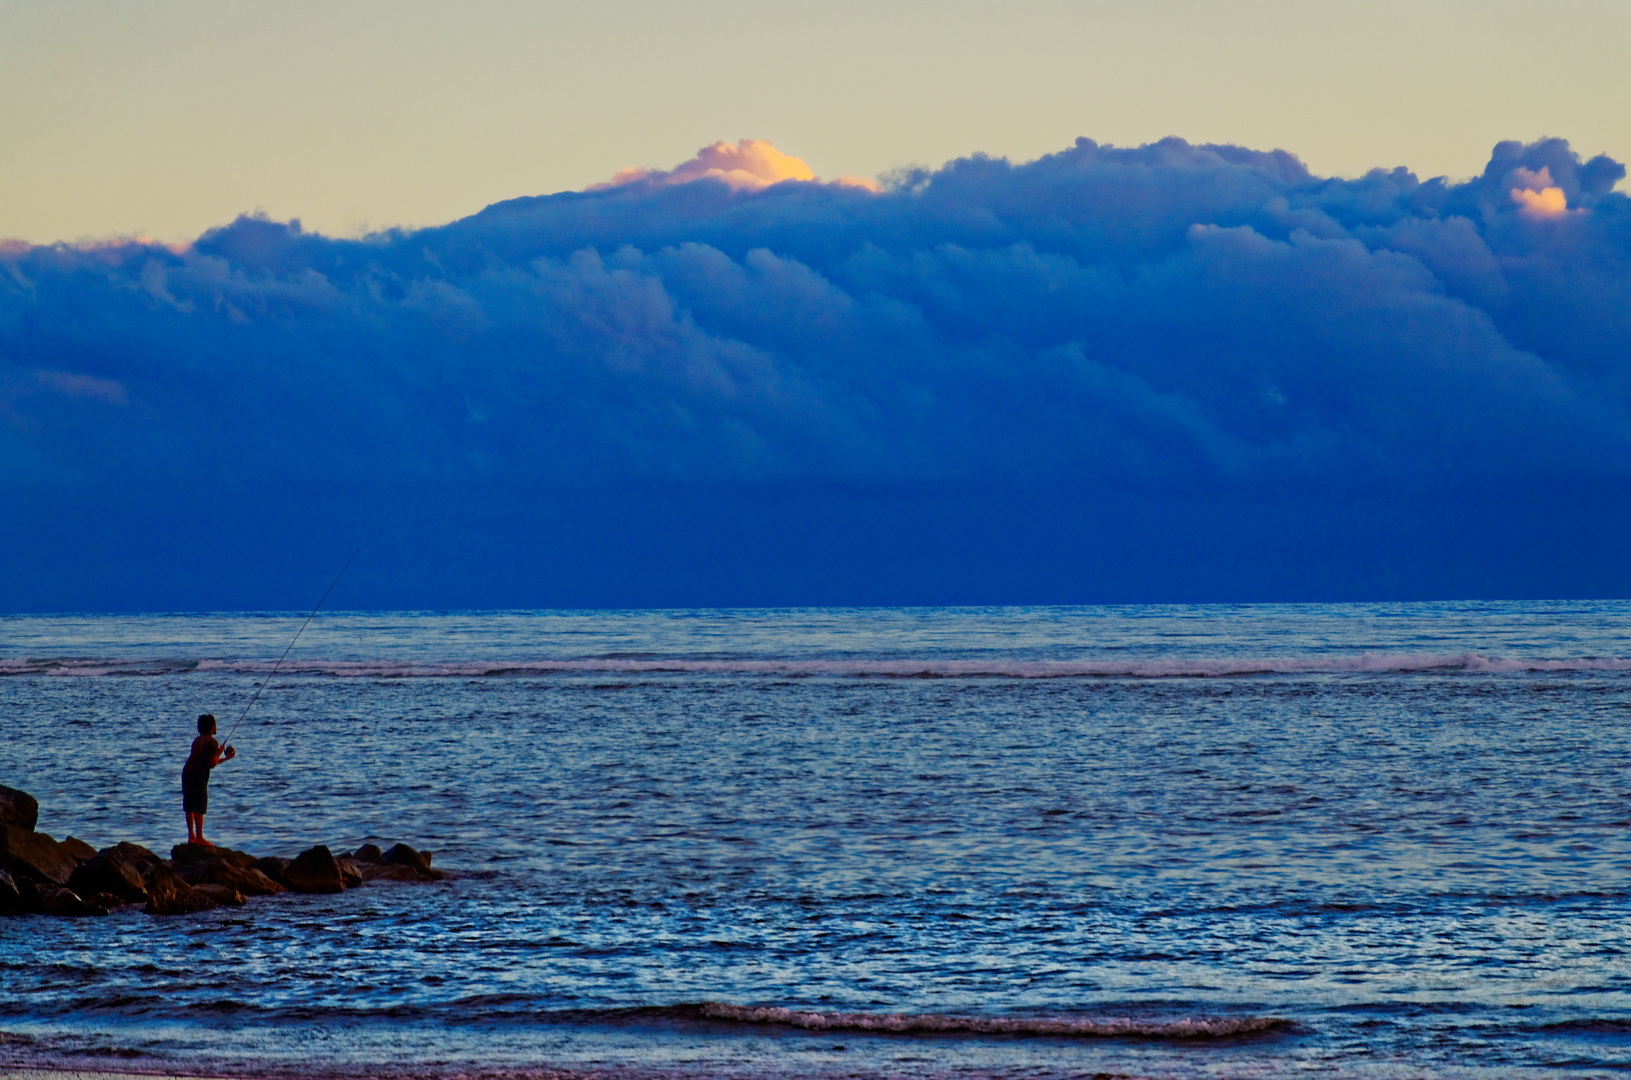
[[1253, 841]]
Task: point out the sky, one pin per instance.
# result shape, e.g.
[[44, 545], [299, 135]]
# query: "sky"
[[167, 118], [771, 306]]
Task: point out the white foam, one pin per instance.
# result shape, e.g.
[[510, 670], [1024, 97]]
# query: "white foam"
[[1193, 1027], [1154, 668]]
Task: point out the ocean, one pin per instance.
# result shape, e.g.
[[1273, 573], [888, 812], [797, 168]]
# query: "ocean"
[[1368, 840]]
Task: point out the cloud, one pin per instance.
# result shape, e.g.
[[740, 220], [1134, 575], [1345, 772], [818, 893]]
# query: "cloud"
[[750, 164], [1079, 339], [1537, 198]]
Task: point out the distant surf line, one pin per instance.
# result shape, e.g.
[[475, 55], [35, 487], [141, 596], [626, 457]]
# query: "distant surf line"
[[901, 668]]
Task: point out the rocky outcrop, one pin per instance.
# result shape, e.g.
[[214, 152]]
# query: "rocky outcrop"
[[118, 870], [403, 855], [67, 902], [76, 849], [220, 872], [167, 894], [40, 875], [11, 898], [314, 871], [390, 873], [224, 895], [350, 871], [34, 855], [182, 854], [18, 808], [275, 867]]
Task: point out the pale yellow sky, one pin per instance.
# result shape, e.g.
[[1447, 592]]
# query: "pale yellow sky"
[[164, 118]]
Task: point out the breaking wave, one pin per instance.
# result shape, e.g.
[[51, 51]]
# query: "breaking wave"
[[1193, 1027], [1100, 668]]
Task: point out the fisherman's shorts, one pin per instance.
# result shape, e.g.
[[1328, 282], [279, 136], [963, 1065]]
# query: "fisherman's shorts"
[[195, 792]]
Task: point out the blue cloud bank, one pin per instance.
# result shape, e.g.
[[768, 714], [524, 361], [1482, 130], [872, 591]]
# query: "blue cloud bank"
[[1173, 372]]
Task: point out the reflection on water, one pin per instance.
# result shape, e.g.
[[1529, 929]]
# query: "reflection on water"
[[1415, 867]]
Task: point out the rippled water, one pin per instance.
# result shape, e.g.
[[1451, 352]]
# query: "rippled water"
[[1379, 840]]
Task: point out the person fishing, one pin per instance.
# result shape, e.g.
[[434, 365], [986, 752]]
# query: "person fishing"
[[207, 753], [195, 777]]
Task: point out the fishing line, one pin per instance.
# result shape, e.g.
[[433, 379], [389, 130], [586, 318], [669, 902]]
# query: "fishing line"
[[292, 640]]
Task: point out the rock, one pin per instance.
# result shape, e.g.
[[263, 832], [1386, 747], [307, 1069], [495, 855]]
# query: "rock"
[[275, 867], [187, 853], [66, 902], [76, 849], [111, 870], [167, 894], [19, 808], [107, 900], [224, 895], [370, 854], [403, 855], [11, 899], [350, 872], [244, 879], [390, 873], [142, 857], [314, 871], [34, 855]]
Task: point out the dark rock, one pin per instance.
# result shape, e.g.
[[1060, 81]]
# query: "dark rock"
[[142, 857], [111, 870], [224, 895], [67, 902], [314, 871], [34, 855], [107, 900], [167, 894], [187, 853], [76, 849], [19, 808], [370, 854], [244, 879], [275, 867], [11, 900], [30, 893], [403, 855], [390, 873], [350, 871]]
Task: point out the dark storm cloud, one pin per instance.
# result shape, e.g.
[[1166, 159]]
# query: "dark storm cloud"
[[1157, 319]]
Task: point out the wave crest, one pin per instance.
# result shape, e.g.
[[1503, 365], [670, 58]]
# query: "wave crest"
[[1193, 1027], [1161, 668]]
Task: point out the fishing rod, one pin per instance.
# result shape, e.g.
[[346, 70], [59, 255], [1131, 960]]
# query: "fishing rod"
[[292, 640]]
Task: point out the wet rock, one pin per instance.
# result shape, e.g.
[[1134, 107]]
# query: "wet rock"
[[350, 871], [244, 879], [390, 873], [144, 858], [314, 871], [403, 855], [11, 900], [189, 853], [76, 849], [66, 902], [224, 895], [19, 808], [107, 900], [112, 870], [370, 855], [167, 894], [34, 855], [275, 867]]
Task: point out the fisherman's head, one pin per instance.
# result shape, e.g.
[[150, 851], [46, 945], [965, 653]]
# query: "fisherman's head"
[[206, 724]]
